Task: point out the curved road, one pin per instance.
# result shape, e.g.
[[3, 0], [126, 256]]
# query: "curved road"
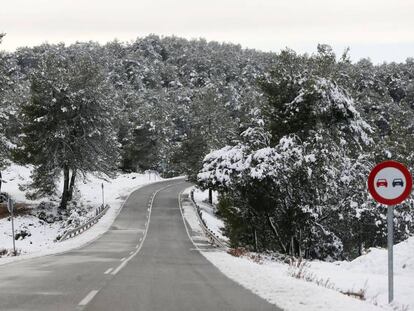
[[137, 265]]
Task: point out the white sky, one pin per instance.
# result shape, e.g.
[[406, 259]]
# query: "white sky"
[[380, 29]]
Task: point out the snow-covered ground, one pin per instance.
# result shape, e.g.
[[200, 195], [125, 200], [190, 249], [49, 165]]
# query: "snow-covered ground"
[[43, 234], [208, 214], [271, 279], [369, 272]]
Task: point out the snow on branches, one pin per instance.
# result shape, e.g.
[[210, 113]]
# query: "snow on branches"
[[307, 175]]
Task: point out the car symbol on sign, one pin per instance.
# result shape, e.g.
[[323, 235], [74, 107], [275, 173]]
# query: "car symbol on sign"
[[382, 183], [397, 182]]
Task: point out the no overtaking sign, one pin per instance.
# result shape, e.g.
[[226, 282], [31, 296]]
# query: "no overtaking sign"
[[390, 183]]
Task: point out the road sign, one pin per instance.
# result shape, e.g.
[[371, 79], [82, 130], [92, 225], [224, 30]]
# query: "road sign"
[[390, 183], [103, 195], [11, 210]]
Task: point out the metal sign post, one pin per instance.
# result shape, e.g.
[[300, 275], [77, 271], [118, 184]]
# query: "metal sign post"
[[390, 225], [103, 196], [11, 210], [390, 183]]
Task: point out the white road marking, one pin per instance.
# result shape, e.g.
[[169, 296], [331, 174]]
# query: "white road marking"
[[185, 222], [108, 271], [123, 258], [124, 263], [198, 246], [131, 252], [88, 298]]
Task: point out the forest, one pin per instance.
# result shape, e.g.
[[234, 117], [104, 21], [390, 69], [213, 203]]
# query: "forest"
[[286, 139]]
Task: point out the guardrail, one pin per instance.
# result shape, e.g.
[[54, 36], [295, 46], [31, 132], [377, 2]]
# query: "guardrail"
[[100, 211], [210, 234]]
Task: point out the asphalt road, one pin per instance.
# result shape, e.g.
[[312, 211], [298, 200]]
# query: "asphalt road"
[[146, 261]]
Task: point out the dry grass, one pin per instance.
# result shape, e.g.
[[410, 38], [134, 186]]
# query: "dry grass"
[[299, 269], [237, 252], [242, 252], [9, 252], [19, 209], [359, 294]]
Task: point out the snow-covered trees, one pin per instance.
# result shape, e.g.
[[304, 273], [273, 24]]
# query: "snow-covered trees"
[[67, 123], [6, 86], [178, 90], [168, 92], [13, 91], [3, 119], [289, 154], [298, 175]]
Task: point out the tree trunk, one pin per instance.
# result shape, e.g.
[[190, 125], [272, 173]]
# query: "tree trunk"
[[276, 233], [210, 196], [72, 185], [65, 193], [256, 247]]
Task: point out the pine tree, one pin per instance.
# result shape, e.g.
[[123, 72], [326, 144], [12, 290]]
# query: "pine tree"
[[3, 147], [67, 123], [298, 181], [12, 94], [3, 118]]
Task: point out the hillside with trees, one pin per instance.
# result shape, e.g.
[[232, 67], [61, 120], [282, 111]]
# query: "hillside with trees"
[[286, 139]]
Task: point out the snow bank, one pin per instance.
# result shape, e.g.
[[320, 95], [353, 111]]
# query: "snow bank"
[[43, 235], [369, 272], [270, 280]]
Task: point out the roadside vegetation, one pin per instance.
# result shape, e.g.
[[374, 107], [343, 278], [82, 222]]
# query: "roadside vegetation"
[[286, 139]]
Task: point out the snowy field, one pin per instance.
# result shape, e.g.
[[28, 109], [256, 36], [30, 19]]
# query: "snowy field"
[[43, 234], [271, 279]]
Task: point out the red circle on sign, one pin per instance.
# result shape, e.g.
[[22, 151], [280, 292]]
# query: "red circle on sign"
[[402, 169]]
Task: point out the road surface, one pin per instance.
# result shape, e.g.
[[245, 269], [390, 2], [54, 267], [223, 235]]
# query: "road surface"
[[145, 262]]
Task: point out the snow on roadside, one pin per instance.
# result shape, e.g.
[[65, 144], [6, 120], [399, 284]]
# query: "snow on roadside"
[[190, 215], [200, 195], [369, 272], [43, 235], [214, 223], [270, 280]]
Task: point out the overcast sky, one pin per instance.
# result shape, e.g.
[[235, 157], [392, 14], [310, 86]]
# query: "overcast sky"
[[380, 29]]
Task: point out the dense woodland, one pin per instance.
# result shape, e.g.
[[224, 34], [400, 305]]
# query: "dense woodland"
[[286, 139]]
